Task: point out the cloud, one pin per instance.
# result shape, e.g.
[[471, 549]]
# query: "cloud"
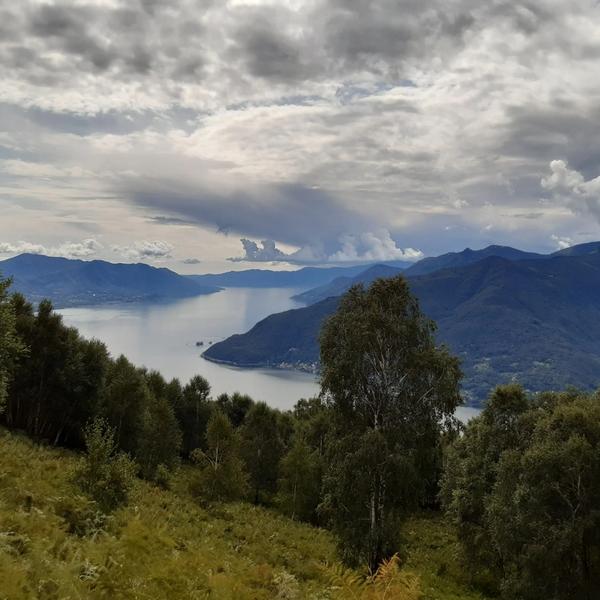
[[301, 122], [22, 248], [571, 186], [145, 250], [353, 248], [191, 261], [372, 247], [84, 249], [266, 252], [562, 242]]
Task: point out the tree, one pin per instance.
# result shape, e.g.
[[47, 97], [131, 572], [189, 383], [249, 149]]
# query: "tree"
[[57, 383], [159, 440], [236, 407], [390, 389], [10, 345], [106, 474], [470, 472], [299, 484], [124, 401], [193, 413], [262, 450], [537, 504], [222, 477]]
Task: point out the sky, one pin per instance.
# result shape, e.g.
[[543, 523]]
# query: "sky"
[[210, 135]]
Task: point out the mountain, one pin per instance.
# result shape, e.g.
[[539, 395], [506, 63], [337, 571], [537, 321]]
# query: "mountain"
[[580, 250], [341, 285], [427, 265], [533, 321], [468, 257], [307, 277], [76, 282]]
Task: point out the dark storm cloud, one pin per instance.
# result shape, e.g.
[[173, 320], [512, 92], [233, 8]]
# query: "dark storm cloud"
[[292, 213]]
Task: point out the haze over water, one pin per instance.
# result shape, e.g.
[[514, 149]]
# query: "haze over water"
[[163, 336]]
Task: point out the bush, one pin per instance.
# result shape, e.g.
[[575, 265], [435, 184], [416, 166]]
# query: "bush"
[[106, 474], [221, 477]]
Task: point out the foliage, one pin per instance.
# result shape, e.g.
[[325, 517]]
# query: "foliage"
[[164, 545], [221, 477], [533, 514], [299, 484], [388, 582], [160, 438], [235, 406], [106, 474], [261, 449], [193, 411], [57, 383], [390, 389], [10, 346]]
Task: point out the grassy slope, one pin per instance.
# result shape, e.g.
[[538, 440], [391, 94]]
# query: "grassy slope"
[[164, 546]]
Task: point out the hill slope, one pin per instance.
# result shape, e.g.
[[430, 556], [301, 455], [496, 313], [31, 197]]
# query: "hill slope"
[[342, 284], [535, 321], [165, 547], [76, 282]]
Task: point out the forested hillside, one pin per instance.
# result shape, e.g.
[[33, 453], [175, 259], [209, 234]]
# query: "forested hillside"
[[132, 486], [531, 321], [70, 282]]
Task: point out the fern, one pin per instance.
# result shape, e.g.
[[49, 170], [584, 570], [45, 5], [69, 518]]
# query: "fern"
[[388, 582]]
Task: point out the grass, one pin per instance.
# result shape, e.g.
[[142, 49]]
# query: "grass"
[[55, 545]]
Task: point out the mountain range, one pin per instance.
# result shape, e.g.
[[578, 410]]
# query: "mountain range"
[[533, 319], [426, 265], [76, 282], [306, 277]]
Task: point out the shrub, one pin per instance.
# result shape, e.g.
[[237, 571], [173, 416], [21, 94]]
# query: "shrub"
[[106, 474]]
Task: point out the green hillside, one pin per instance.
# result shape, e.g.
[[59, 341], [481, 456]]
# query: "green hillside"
[[53, 544]]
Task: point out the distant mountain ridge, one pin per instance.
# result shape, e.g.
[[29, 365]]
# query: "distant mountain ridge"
[[468, 257], [70, 282], [306, 277], [536, 321], [424, 266]]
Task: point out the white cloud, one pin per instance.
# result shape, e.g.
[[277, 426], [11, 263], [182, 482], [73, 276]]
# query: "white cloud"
[[571, 186], [22, 248], [353, 248], [562, 242], [84, 249], [372, 247], [145, 250]]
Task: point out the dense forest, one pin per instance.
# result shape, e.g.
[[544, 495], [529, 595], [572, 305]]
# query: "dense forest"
[[519, 486]]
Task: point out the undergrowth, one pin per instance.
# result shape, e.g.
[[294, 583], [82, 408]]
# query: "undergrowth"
[[56, 544]]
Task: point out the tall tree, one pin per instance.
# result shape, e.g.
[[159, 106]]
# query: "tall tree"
[[10, 346], [390, 389], [262, 449], [58, 382], [193, 411], [124, 401]]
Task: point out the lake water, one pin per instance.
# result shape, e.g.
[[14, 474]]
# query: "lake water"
[[163, 336]]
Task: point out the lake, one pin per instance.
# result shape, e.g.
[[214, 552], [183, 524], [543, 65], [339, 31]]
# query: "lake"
[[163, 336]]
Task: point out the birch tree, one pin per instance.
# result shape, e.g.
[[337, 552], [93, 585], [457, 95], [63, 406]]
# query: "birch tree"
[[391, 390]]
